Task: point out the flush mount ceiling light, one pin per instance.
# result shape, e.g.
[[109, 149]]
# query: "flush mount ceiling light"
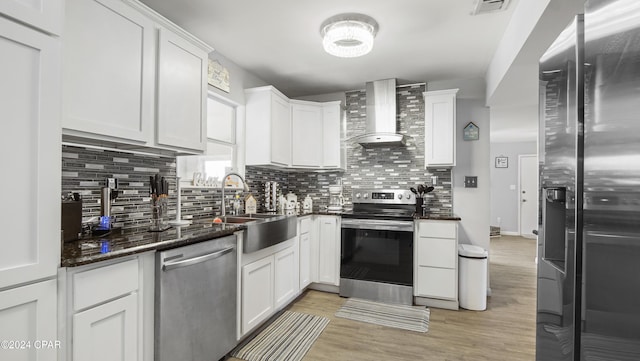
[[348, 35]]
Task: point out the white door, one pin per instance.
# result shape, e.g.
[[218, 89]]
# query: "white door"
[[329, 251], [108, 70], [28, 314], [182, 93], [305, 260], [257, 293], [280, 130], [331, 123], [306, 135], [30, 143], [528, 175], [286, 276], [108, 332]]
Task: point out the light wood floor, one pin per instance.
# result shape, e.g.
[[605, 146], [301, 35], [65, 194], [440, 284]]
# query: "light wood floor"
[[505, 331]]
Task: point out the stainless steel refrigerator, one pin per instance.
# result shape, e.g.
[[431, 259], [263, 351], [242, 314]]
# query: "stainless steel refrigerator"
[[588, 303]]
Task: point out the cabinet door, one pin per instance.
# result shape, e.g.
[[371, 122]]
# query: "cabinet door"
[[329, 251], [440, 128], [437, 252], [182, 93], [286, 276], [28, 313], [30, 139], [306, 135], [108, 71], [280, 130], [305, 260], [257, 293], [332, 141], [42, 14], [108, 332], [436, 282]]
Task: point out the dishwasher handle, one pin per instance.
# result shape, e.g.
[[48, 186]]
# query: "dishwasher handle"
[[191, 261]]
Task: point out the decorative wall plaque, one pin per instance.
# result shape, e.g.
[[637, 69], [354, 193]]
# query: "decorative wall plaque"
[[502, 162], [471, 132], [218, 76]]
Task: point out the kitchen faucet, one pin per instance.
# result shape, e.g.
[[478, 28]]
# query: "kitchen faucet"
[[244, 184]]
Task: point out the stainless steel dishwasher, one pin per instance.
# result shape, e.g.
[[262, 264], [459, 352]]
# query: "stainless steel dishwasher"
[[195, 296]]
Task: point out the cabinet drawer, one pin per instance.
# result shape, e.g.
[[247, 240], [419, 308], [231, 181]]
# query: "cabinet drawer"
[[305, 225], [437, 252], [436, 282], [102, 284], [437, 229]]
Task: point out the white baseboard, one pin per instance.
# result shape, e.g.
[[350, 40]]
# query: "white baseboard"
[[432, 302], [324, 287], [509, 233]]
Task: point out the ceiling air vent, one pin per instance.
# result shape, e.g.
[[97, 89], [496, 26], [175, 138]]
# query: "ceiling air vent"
[[488, 6]]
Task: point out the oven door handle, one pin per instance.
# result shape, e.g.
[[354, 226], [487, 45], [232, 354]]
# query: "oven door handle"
[[378, 225]]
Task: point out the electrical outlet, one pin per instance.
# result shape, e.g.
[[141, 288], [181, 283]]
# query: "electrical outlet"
[[111, 183], [470, 182]]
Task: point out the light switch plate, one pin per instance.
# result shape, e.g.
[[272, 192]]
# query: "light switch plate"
[[470, 182]]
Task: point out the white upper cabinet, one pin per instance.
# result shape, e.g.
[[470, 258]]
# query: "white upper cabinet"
[[130, 76], [306, 134], [440, 128], [108, 70], [182, 93], [45, 15], [268, 127], [333, 147], [30, 113], [292, 133]]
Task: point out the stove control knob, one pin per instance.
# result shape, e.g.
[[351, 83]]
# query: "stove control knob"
[[399, 196], [408, 196], [366, 195], [358, 195]]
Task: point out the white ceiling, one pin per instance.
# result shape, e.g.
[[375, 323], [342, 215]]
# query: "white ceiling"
[[279, 41]]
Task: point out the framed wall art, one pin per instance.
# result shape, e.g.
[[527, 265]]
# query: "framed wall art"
[[218, 76], [502, 162]]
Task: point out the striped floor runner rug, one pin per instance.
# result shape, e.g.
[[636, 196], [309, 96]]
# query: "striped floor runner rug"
[[399, 316], [288, 338]]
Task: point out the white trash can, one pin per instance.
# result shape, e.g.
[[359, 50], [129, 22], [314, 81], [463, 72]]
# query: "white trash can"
[[472, 277]]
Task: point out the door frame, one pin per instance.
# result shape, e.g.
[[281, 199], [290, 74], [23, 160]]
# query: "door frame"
[[520, 156]]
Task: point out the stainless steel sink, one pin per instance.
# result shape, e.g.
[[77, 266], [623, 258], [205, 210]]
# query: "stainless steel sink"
[[236, 220], [264, 230]]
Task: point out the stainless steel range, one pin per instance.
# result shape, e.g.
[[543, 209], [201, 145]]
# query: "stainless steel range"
[[376, 259]]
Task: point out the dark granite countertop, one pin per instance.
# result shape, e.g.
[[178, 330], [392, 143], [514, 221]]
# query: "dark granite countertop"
[[121, 243], [438, 217]]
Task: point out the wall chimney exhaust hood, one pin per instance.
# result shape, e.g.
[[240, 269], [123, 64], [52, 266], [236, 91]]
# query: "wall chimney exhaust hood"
[[380, 128]]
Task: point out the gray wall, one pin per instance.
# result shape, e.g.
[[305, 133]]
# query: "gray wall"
[[239, 79], [504, 199], [472, 159]]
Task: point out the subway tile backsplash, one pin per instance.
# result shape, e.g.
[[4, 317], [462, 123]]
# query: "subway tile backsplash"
[[84, 170]]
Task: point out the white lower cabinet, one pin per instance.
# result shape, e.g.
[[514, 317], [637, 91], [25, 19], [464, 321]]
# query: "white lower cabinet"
[[257, 293], [436, 263], [108, 310], [269, 282], [304, 235], [28, 314], [286, 285], [107, 332], [328, 243]]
